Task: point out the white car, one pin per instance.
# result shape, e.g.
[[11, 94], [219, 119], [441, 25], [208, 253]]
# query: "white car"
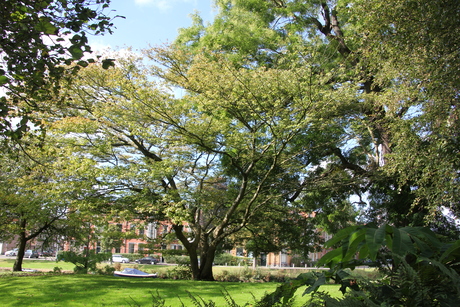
[[12, 252], [119, 258]]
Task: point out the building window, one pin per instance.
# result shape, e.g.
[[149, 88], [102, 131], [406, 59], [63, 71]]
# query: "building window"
[[131, 248], [152, 231]]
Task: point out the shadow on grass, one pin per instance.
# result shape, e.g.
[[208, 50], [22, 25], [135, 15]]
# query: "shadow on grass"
[[96, 290]]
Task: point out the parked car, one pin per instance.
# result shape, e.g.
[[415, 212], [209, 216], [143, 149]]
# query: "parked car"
[[12, 252], [46, 253], [147, 260], [30, 254], [119, 258]]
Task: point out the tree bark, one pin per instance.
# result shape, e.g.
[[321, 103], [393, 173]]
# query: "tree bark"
[[206, 261], [17, 266]]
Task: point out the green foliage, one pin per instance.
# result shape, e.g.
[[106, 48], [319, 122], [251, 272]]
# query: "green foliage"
[[107, 270], [34, 51], [228, 259], [418, 270], [177, 259], [288, 108], [180, 272], [85, 261], [37, 199]]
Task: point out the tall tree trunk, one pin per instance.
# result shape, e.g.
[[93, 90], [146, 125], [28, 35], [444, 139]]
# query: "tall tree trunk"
[[195, 266], [202, 267], [206, 261], [17, 267]]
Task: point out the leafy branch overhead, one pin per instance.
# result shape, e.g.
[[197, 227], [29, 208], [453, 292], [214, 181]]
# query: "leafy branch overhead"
[[39, 42]]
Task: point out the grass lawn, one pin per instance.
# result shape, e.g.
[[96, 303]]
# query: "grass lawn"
[[37, 264], [99, 290]]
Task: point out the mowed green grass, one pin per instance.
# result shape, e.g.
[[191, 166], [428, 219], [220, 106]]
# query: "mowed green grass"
[[40, 264], [100, 290]]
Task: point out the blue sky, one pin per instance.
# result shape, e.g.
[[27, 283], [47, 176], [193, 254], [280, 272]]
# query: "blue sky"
[[151, 22]]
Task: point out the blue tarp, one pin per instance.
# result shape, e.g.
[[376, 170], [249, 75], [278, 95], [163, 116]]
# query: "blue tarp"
[[130, 272], [133, 271]]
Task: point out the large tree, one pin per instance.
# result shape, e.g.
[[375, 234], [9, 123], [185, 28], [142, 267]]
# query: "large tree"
[[392, 73], [414, 47], [37, 38], [228, 155], [39, 194], [284, 106]]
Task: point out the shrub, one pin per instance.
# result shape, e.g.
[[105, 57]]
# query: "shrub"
[[418, 270], [117, 266], [107, 270], [84, 262], [227, 259], [227, 276], [181, 260], [182, 272]]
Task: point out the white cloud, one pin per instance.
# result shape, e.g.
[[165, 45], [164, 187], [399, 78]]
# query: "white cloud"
[[160, 4]]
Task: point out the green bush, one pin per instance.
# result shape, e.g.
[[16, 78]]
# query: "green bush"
[[417, 269], [84, 262], [227, 259], [227, 276], [250, 275], [174, 252], [181, 260], [107, 270], [180, 272]]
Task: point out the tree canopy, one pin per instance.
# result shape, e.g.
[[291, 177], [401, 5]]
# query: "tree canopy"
[[37, 40], [276, 109], [40, 198], [389, 83]]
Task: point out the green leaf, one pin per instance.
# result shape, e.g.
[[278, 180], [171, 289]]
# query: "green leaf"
[[389, 237], [331, 258], [374, 240], [452, 252], [363, 252], [108, 63], [82, 63], [3, 80], [341, 235], [424, 239], [76, 52], [46, 27], [402, 244], [318, 283], [357, 239]]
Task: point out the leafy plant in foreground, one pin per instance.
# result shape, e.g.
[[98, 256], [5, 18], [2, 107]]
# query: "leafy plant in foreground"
[[419, 270]]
